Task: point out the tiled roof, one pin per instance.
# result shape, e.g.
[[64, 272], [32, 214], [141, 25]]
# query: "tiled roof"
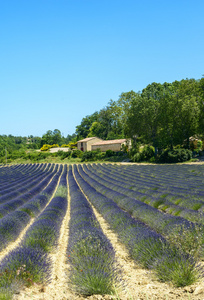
[[109, 142]]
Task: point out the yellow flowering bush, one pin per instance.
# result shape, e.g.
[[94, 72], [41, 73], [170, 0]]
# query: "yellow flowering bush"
[[45, 147]]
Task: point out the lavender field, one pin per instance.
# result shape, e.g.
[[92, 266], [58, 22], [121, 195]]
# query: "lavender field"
[[57, 224]]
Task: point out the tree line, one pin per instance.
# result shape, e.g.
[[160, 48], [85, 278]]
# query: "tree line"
[[14, 147], [163, 115]]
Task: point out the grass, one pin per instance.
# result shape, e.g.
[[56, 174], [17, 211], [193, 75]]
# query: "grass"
[[48, 159], [71, 160]]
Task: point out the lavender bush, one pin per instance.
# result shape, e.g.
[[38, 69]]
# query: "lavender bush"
[[90, 254], [25, 266]]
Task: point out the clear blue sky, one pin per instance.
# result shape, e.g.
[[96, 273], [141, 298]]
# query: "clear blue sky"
[[61, 60]]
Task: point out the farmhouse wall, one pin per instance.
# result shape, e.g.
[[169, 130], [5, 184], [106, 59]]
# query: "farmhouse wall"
[[85, 144], [113, 147]]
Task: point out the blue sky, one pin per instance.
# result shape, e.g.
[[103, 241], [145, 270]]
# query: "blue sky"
[[61, 60]]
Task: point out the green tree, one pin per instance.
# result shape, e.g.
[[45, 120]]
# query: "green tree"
[[201, 107], [57, 137], [123, 105], [47, 138], [110, 122], [52, 137], [82, 130], [142, 119], [95, 129], [165, 114], [186, 104]]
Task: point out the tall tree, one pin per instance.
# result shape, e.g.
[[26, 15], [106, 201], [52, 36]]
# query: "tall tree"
[[124, 103], [95, 130], [201, 106], [51, 137], [57, 136], [186, 97], [82, 130]]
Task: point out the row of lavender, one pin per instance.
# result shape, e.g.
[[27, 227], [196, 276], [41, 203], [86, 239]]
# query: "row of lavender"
[[29, 262], [149, 238], [15, 175], [93, 268], [181, 194], [15, 196], [179, 178]]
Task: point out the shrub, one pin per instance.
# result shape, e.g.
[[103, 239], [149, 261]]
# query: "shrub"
[[110, 153], [77, 153], [146, 154], [72, 145], [66, 155], [62, 154], [175, 155], [93, 155], [135, 149], [17, 154], [136, 157], [199, 145], [34, 157], [45, 147]]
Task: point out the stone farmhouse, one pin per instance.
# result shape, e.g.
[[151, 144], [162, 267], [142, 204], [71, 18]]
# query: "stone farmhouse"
[[85, 144], [94, 143]]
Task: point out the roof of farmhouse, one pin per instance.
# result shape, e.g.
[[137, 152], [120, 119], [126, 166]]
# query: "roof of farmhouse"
[[87, 139], [110, 142]]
